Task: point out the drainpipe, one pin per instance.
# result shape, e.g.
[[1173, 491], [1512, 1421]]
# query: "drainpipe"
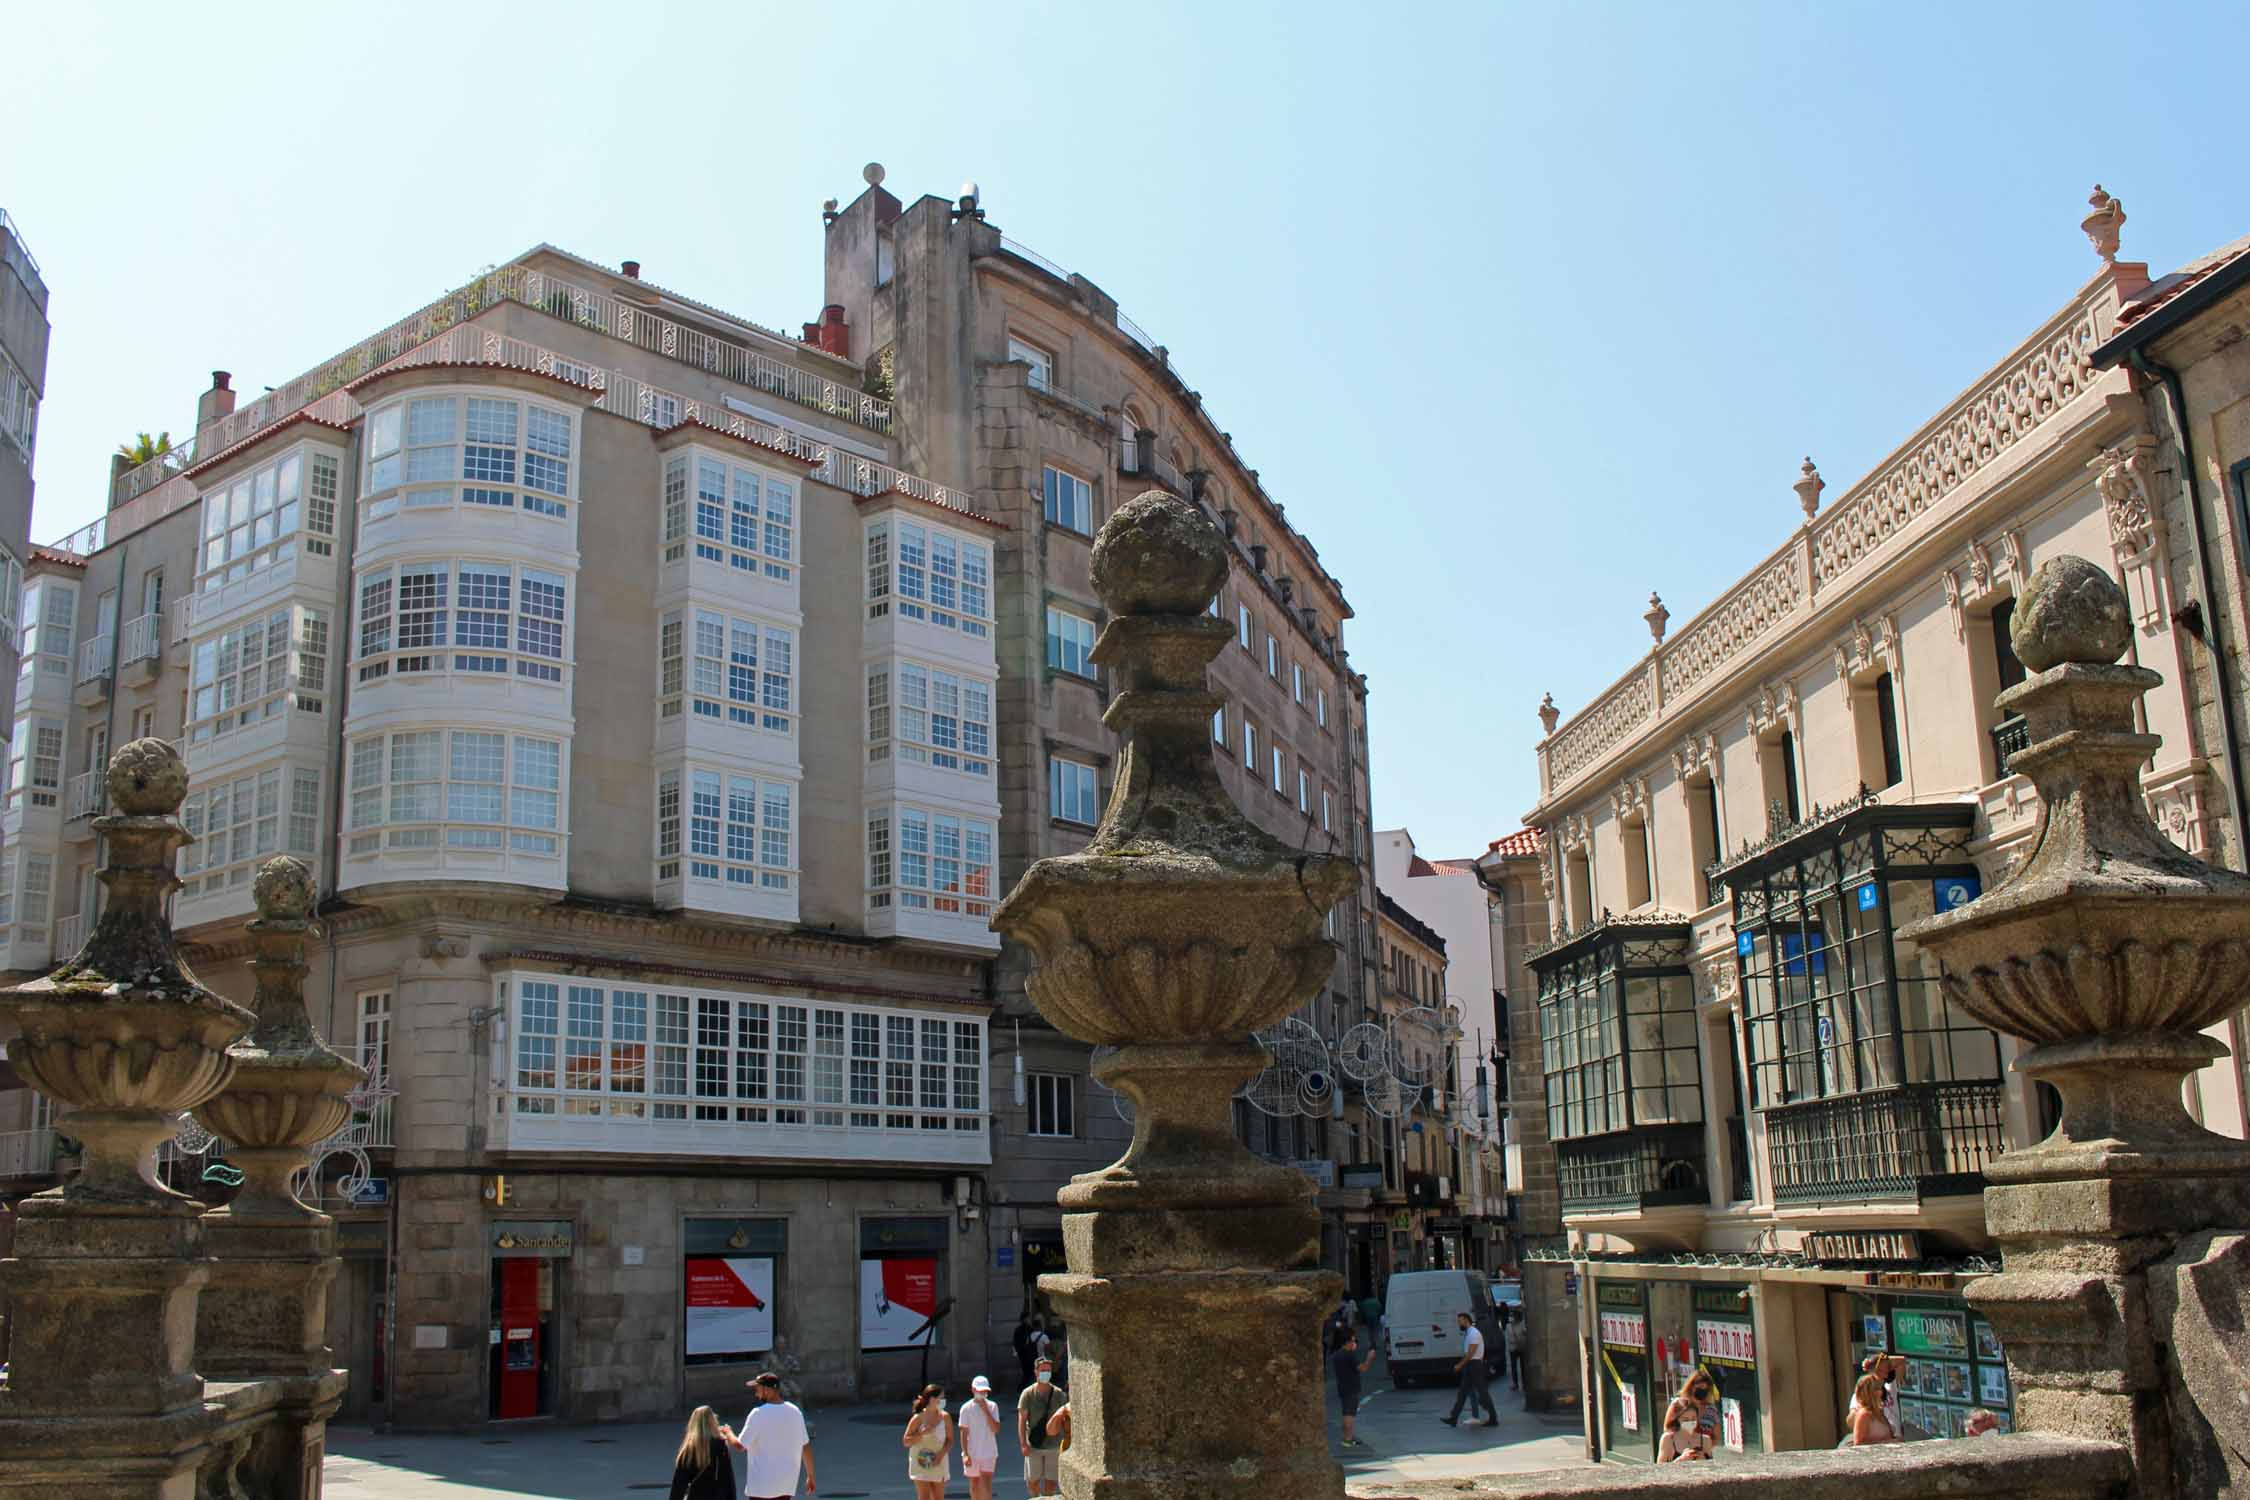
[[2148, 368]]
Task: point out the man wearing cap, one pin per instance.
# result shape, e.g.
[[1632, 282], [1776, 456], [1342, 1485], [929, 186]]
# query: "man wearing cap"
[[1041, 1450], [980, 1439], [773, 1443]]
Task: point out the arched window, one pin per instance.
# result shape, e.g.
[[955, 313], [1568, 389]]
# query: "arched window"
[[1130, 422]]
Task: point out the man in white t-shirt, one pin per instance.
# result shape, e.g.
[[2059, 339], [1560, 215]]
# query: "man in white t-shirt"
[[1470, 1367], [980, 1439], [774, 1443]]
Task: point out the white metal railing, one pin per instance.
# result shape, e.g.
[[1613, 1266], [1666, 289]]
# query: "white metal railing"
[[95, 657], [70, 936], [89, 793], [26, 1153], [144, 638]]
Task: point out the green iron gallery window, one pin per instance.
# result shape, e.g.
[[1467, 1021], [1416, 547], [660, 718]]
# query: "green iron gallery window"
[[1870, 1081]]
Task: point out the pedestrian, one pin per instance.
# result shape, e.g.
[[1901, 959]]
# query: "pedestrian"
[[1887, 1368], [1516, 1339], [1058, 1427], [1021, 1343], [1348, 1367], [1868, 1425], [774, 1444], [1470, 1370], [1683, 1437], [1035, 1408], [703, 1469], [980, 1439], [1042, 1344], [927, 1439], [1979, 1422], [1339, 1323]]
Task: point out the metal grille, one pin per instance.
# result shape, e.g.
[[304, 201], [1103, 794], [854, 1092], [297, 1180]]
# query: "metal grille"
[[1926, 1140], [2008, 736], [1634, 1169]]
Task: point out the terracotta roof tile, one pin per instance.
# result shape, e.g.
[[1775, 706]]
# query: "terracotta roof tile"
[[2168, 288], [961, 512], [57, 555], [764, 447], [1515, 845]]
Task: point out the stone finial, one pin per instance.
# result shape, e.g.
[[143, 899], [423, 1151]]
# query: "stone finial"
[[2072, 611], [1657, 617], [2104, 223], [283, 890], [147, 778], [1549, 715], [1808, 487]]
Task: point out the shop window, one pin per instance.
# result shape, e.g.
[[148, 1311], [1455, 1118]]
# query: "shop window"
[[730, 1284], [902, 1274]]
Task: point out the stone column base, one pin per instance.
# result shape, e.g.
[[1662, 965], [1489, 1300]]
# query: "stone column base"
[[1197, 1385], [265, 1309]]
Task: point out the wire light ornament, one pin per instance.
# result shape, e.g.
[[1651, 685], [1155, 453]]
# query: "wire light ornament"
[[1299, 1076], [350, 1142]]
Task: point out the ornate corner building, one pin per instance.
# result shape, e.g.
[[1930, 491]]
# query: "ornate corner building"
[[663, 702], [1769, 1127]]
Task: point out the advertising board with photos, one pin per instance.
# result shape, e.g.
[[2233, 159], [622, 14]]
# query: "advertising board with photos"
[[1953, 1361]]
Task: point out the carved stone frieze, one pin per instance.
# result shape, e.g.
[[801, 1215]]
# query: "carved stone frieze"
[[1574, 830], [2177, 808], [1870, 648], [1774, 709], [2125, 478], [1628, 800], [1697, 755], [1722, 977], [1994, 566]]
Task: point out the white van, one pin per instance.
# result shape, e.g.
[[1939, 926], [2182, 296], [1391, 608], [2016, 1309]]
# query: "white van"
[[1422, 1336]]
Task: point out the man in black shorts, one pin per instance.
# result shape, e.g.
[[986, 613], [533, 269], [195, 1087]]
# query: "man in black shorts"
[[1348, 1366]]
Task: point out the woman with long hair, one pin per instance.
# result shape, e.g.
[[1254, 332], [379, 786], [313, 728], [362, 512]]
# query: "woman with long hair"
[[1868, 1422], [704, 1468], [928, 1437]]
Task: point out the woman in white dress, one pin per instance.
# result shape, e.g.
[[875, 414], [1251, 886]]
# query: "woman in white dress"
[[928, 1438]]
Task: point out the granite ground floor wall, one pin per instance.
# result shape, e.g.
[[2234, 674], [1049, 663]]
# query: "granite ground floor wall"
[[624, 1293]]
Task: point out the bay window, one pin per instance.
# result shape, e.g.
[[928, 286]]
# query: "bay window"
[[245, 821], [728, 827], [731, 514], [929, 574], [258, 519], [493, 451], [50, 617], [937, 862], [723, 667], [257, 669], [927, 716], [500, 619], [456, 788]]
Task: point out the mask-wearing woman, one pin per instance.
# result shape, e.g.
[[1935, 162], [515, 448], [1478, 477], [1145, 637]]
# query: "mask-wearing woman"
[[928, 1437], [704, 1467], [1868, 1423]]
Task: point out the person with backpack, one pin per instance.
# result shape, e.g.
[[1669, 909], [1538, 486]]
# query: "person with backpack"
[[1035, 1409], [703, 1469]]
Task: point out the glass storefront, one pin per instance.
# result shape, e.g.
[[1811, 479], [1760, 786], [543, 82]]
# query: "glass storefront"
[[1624, 1369], [1954, 1362], [1726, 1352]]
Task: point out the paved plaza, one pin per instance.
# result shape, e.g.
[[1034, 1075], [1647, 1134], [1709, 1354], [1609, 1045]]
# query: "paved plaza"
[[859, 1455]]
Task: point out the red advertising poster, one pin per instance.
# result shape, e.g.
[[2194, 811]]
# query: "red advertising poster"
[[895, 1298], [729, 1305]]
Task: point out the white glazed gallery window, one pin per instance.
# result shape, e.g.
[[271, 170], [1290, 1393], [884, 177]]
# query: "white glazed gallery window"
[[492, 451], [1047, 1105], [50, 617], [456, 788], [258, 669], [722, 667], [35, 758], [1069, 500], [469, 618], [26, 905], [245, 821], [1041, 376], [737, 829], [920, 860], [11, 593], [634, 1054], [929, 717], [1070, 642], [259, 519], [1073, 791], [729, 514], [929, 574]]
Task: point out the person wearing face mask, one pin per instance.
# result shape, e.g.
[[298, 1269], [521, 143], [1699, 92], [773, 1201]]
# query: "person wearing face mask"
[[928, 1437], [979, 1428], [1035, 1408], [1683, 1439]]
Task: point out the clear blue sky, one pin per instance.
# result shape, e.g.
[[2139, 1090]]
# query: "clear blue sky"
[[1522, 311]]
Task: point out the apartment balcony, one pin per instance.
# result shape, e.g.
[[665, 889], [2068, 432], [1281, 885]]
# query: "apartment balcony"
[[2008, 736], [141, 652], [95, 658], [85, 798], [1921, 1141], [70, 935], [27, 1153]]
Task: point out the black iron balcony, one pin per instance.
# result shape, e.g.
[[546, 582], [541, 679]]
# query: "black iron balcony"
[[1659, 1167], [1923, 1141], [2008, 736]]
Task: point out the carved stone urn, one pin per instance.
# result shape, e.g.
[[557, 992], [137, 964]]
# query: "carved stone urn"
[[1178, 931], [290, 1089], [122, 1033], [2109, 950]]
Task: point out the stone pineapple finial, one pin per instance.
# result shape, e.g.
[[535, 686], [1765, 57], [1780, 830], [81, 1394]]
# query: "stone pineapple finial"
[[1808, 487], [1549, 715], [1657, 617], [122, 1033], [2109, 949], [2103, 225]]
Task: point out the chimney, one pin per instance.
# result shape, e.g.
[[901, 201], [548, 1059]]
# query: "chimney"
[[216, 403], [830, 335], [632, 270]]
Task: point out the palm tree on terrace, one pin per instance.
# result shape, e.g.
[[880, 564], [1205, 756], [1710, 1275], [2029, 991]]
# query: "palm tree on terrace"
[[143, 448]]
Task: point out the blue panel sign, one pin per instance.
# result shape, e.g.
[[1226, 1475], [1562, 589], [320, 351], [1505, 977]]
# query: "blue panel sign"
[[1868, 896], [1007, 1256], [1743, 942], [1957, 890], [1570, 1284], [372, 1193], [1827, 1032]]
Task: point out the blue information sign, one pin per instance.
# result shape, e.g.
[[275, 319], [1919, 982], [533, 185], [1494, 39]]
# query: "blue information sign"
[[1868, 896], [1743, 942], [1007, 1256], [1957, 890]]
